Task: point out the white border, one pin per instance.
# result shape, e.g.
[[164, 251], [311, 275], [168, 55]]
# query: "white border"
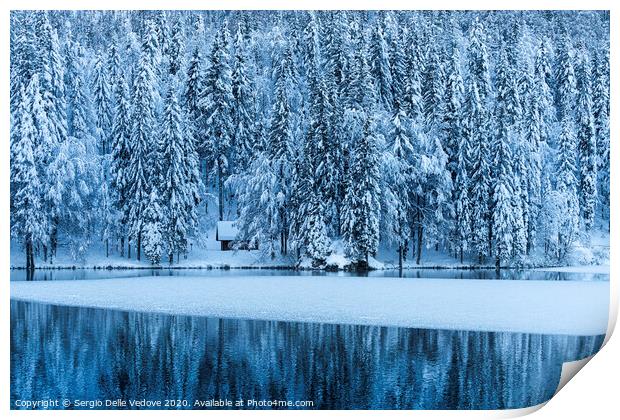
[[593, 394]]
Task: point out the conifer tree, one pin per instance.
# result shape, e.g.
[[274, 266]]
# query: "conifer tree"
[[101, 96], [28, 221], [362, 206], [142, 144], [216, 101], [477, 126], [586, 138], [121, 154]]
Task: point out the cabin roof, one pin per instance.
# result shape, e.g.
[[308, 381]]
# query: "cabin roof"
[[226, 230]]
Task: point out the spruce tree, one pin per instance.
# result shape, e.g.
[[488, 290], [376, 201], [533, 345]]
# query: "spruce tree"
[[477, 126], [121, 154], [28, 221], [586, 139], [101, 99], [142, 144], [243, 91], [177, 196], [362, 206], [216, 102]]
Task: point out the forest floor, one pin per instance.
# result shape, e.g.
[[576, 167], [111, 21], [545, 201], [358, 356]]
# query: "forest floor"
[[207, 254]]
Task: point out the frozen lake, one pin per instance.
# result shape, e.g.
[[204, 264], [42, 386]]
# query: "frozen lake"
[[79, 353], [432, 339]]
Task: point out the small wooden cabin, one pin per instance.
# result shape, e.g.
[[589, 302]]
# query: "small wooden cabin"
[[227, 233]]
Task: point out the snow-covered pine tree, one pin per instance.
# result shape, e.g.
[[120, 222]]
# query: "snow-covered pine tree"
[[23, 54], [217, 108], [311, 60], [396, 176], [50, 68], [537, 101], [121, 154], [258, 204], [175, 51], [194, 86], [279, 143], [453, 117], [381, 68], [142, 143], [81, 123], [177, 191], [152, 231], [430, 191], [362, 208], [586, 142], [433, 88], [243, 90], [101, 103], [315, 230], [514, 174], [191, 98], [600, 101], [505, 202], [565, 78], [477, 125], [399, 68], [462, 204], [566, 186], [28, 220], [413, 100], [51, 78], [323, 154]]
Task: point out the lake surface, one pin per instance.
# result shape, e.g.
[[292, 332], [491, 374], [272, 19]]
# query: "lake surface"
[[508, 274], [60, 352]]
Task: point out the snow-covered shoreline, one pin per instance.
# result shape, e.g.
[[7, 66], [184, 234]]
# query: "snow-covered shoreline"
[[573, 308]]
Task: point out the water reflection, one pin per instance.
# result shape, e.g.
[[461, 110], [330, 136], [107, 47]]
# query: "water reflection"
[[508, 274], [79, 353]]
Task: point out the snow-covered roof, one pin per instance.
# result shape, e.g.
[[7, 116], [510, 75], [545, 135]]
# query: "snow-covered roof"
[[226, 231]]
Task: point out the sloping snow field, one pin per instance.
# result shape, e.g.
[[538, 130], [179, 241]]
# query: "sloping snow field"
[[548, 307]]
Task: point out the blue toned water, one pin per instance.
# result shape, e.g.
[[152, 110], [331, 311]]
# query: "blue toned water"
[[94, 354], [507, 274]]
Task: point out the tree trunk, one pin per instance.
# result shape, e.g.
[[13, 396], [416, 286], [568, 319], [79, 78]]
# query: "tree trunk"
[[170, 258], [400, 258], [206, 187], [138, 245], [29, 260], [29, 256], [497, 264], [490, 239], [129, 250], [107, 248], [54, 236], [461, 252], [419, 244], [122, 246], [220, 191]]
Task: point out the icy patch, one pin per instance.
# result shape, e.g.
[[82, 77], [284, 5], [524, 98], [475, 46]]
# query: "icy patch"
[[545, 307]]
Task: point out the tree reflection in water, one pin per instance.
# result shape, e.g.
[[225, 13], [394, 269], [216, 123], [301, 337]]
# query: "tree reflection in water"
[[79, 353]]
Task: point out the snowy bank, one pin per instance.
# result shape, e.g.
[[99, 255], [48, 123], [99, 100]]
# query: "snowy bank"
[[546, 307]]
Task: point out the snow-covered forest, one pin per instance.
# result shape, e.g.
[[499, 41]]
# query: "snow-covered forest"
[[482, 135]]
